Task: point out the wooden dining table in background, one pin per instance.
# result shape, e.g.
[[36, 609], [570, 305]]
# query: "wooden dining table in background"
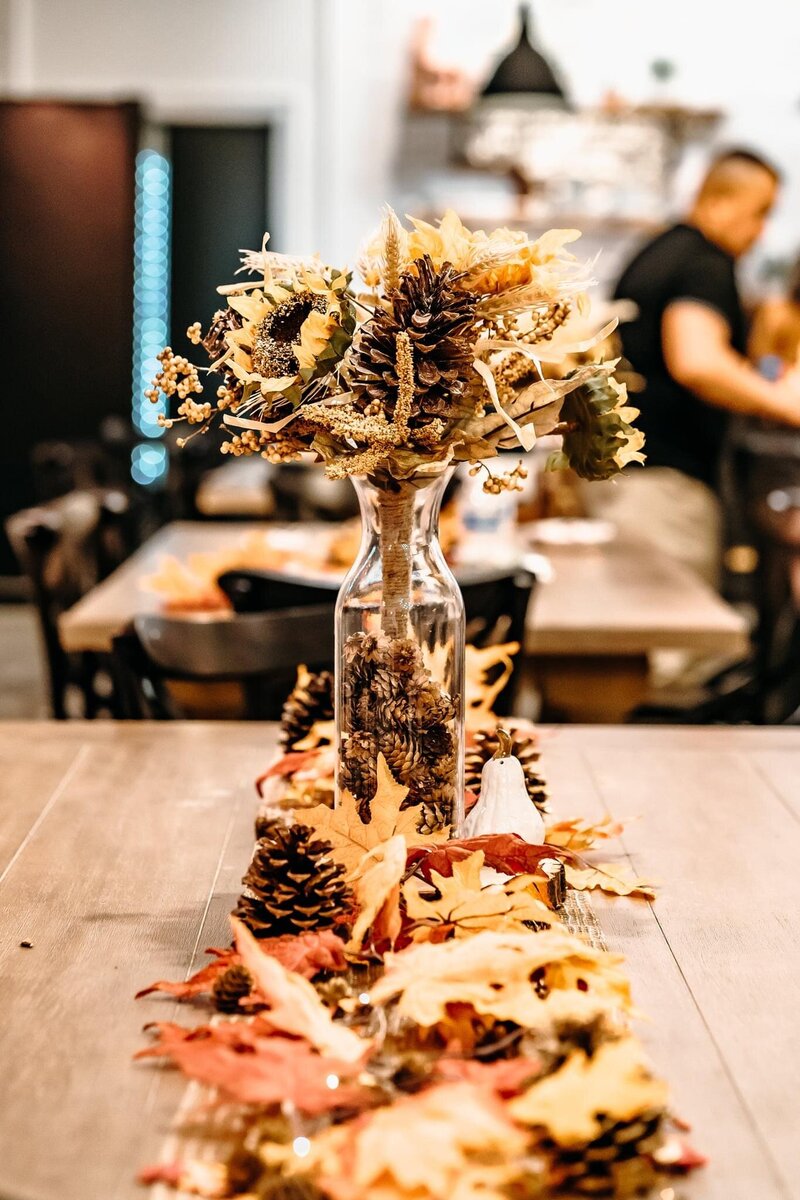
[[591, 627], [121, 853]]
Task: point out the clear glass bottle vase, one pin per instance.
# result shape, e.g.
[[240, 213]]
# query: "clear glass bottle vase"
[[400, 654]]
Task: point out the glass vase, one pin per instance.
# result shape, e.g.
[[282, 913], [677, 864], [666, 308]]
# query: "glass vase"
[[400, 654]]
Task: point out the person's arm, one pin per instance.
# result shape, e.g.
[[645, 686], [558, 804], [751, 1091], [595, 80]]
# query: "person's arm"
[[698, 355], [765, 331]]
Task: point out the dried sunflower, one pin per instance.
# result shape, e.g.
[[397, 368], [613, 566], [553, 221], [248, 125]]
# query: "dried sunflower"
[[598, 437], [291, 332]]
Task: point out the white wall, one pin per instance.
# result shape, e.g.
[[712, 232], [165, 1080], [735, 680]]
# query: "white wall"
[[333, 71]]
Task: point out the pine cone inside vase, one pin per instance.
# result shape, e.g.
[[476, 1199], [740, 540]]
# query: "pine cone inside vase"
[[310, 700], [394, 707], [293, 885], [233, 985], [486, 744], [437, 315]]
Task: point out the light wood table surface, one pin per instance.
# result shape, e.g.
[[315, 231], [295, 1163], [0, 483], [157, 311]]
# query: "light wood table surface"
[[121, 850], [590, 629]]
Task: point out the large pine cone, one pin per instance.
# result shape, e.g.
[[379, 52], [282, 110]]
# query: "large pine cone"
[[523, 746], [437, 316], [292, 885], [311, 700]]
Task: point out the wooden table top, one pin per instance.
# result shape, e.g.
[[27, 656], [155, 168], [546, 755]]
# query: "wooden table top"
[[121, 850], [617, 599]]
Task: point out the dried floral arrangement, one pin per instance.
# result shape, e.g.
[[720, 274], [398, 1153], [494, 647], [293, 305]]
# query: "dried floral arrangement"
[[389, 988], [437, 356]]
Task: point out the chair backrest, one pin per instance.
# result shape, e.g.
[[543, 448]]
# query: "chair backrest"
[[496, 605], [254, 591], [258, 653]]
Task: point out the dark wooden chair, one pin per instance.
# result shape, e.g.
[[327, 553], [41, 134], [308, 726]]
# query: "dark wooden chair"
[[240, 666], [64, 548], [495, 604], [253, 591]]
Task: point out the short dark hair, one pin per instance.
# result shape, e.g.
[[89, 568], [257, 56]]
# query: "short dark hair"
[[742, 154]]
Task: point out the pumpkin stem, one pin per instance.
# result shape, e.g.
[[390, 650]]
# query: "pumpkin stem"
[[504, 743]]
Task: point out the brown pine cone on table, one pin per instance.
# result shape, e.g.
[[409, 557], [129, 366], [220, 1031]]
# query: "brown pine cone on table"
[[310, 700], [616, 1163], [233, 985], [523, 746], [293, 885]]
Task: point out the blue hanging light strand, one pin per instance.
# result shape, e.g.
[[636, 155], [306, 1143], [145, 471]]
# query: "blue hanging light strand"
[[151, 282]]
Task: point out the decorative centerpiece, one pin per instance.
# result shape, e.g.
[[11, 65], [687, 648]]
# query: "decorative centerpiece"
[[436, 358]]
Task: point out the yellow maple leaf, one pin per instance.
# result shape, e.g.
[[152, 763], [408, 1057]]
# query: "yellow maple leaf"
[[491, 971], [420, 1148], [579, 835], [351, 837], [463, 904], [377, 890], [617, 1082], [609, 877]]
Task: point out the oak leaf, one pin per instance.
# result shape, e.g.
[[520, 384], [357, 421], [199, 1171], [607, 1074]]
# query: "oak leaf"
[[377, 892], [352, 838], [248, 1064], [616, 1082], [463, 907], [200, 983], [490, 973], [609, 877], [294, 1006], [578, 834]]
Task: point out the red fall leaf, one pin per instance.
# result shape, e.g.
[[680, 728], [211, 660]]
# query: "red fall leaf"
[[250, 1064], [307, 953], [286, 766], [507, 1077], [503, 851], [198, 984]]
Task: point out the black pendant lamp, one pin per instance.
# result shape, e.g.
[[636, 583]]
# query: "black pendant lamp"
[[524, 70]]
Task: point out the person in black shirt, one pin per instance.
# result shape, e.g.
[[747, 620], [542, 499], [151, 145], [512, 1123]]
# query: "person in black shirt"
[[688, 342]]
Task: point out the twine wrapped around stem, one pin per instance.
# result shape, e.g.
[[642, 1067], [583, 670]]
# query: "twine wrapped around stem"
[[396, 512]]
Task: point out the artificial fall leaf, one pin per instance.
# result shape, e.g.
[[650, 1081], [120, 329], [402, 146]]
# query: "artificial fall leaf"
[[288, 765], [294, 1006], [352, 838], [308, 953], [609, 877], [463, 907], [579, 835], [198, 984], [377, 891], [505, 852], [248, 1064], [616, 1082], [507, 1077], [420, 1148], [193, 1176], [491, 973]]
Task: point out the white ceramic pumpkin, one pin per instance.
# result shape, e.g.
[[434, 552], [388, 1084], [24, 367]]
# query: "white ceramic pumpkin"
[[504, 805]]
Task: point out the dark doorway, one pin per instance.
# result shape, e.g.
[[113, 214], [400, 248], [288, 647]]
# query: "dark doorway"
[[219, 205], [66, 273]]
